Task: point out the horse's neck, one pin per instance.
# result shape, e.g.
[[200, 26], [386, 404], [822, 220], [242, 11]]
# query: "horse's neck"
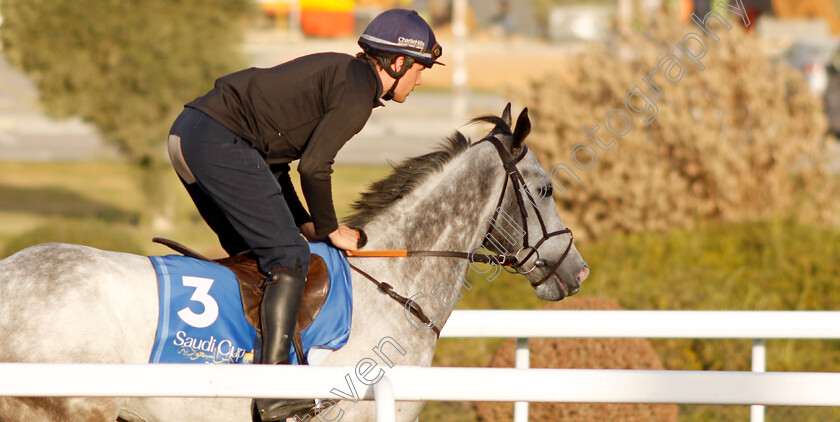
[[448, 212]]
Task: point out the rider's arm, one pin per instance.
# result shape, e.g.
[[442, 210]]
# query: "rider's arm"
[[349, 106], [281, 172]]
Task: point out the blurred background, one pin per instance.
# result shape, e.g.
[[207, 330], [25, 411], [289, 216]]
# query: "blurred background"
[[728, 200]]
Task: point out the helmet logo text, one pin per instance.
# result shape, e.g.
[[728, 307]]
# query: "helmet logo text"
[[411, 42]]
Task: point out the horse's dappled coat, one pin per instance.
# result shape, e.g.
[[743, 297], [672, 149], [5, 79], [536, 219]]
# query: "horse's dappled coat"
[[66, 303]]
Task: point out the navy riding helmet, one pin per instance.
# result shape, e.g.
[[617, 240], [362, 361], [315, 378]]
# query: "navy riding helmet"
[[402, 32]]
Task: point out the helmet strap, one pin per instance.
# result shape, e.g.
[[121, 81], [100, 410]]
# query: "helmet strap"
[[390, 94], [407, 63]]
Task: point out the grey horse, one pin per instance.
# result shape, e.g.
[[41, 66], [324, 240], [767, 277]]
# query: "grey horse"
[[487, 201]]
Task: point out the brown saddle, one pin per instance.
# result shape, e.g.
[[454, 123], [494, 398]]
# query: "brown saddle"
[[250, 287], [251, 279]]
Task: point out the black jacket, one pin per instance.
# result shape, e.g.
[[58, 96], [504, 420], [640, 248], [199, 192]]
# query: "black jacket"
[[304, 109]]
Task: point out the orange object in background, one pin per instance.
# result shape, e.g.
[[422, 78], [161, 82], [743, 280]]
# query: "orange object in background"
[[787, 9], [328, 18], [319, 18], [327, 23], [686, 9], [274, 8]]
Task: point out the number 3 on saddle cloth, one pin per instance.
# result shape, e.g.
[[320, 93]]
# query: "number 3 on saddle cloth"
[[202, 318]]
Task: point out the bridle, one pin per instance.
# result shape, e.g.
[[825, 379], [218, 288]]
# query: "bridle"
[[513, 177]]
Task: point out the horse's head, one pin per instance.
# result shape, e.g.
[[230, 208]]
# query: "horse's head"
[[525, 221]]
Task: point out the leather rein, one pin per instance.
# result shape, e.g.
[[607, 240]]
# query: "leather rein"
[[514, 176]]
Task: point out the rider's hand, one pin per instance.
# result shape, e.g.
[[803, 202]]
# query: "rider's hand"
[[345, 238], [308, 231]]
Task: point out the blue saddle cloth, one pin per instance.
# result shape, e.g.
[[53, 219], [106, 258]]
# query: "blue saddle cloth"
[[201, 318]]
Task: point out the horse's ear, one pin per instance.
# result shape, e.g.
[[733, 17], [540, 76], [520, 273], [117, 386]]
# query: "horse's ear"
[[506, 115], [523, 128]]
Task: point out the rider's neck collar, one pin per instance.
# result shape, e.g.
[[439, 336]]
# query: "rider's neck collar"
[[377, 100]]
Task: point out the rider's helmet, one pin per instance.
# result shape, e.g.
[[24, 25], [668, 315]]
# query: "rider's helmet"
[[400, 32]]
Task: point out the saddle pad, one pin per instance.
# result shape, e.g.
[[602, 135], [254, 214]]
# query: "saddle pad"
[[201, 318]]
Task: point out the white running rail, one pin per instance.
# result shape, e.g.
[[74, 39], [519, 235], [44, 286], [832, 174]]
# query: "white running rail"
[[754, 325], [756, 388]]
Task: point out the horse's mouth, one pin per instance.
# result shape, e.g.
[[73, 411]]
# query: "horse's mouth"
[[561, 286], [555, 289], [568, 289]]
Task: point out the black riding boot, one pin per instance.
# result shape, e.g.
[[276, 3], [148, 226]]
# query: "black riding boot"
[[278, 313]]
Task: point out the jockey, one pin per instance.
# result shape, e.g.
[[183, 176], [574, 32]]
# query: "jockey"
[[232, 148]]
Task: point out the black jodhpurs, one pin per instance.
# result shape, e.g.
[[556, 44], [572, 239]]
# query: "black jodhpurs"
[[237, 194]]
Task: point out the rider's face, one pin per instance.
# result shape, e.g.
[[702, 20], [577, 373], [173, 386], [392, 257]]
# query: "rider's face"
[[407, 83]]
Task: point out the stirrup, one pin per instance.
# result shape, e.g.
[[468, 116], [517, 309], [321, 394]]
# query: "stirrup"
[[280, 409]]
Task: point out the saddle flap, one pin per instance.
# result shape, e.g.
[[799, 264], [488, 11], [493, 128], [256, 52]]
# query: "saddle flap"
[[314, 293], [250, 279]]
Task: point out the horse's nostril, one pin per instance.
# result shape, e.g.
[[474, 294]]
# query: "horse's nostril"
[[584, 272]]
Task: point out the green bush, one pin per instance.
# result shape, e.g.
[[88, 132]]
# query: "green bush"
[[128, 66], [753, 266], [720, 266], [93, 233]]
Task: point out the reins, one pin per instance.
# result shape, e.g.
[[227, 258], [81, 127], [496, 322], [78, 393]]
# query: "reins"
[[501, 259], [505, 260], [413, 307]]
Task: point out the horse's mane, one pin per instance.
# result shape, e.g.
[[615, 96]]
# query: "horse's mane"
[[412, 172], [405, 176]]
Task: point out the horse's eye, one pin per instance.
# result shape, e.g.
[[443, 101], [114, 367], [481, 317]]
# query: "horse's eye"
[[546, 191]]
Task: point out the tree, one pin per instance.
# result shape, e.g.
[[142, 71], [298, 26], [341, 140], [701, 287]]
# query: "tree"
[[127, 66]]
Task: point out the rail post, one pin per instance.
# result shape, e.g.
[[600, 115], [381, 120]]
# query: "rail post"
[[386, 406], [523, 361], [759, 364]]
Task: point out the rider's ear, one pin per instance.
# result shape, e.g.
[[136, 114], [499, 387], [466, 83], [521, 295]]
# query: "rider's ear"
[[523, 128], [506, 115], [398, 63]]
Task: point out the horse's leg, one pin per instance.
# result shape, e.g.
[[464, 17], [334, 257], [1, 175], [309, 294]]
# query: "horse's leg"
[[49, 409], [165, 409], [406, 411]]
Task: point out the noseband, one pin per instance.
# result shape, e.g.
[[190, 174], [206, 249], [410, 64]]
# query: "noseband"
[[514, 178]]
